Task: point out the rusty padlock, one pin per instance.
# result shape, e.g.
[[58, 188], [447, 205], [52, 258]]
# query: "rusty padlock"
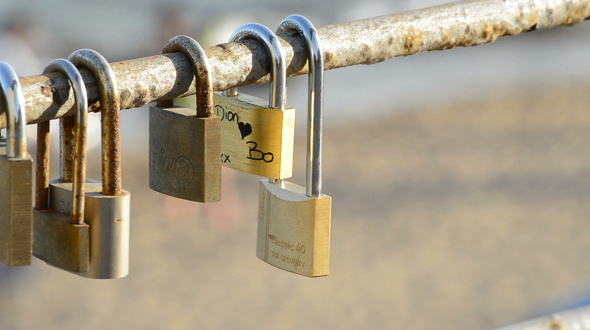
[[61, 237], [184, 145], [257, 136], [294, 222], [107, 211], [16, 167]]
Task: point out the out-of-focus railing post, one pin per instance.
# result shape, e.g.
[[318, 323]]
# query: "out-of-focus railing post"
[[575, 319]]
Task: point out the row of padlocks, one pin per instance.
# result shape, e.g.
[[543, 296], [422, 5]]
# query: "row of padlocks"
[[82, 225]]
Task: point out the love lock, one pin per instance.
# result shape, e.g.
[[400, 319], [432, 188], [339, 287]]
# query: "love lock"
[[257, 136]]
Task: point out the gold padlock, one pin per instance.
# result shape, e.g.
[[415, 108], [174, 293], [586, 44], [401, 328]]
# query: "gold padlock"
[[16, 168], [294, 222], [184, 146], [61, 237], [257, 137]]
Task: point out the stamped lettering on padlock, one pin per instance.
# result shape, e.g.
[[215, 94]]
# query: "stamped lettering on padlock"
[[185, 144], [294, 222], [294, 229]]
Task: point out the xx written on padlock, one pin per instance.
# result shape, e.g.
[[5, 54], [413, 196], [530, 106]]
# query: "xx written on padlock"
[[257, 135], [255, 138], [294, 229]]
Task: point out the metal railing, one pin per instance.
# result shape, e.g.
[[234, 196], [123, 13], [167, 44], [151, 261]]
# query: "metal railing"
[[368, 41]]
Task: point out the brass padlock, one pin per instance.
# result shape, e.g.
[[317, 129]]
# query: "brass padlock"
[[257, 137], [107, 212], [16, 167], [294, 222], [61, 238], [184, 147]]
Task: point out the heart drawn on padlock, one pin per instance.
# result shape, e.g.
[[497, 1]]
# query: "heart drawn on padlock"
[[245, 129]]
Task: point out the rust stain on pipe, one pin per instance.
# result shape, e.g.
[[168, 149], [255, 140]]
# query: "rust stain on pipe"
[[42, 173]]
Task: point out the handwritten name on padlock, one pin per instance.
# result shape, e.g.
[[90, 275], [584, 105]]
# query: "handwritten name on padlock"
[[255, 138]]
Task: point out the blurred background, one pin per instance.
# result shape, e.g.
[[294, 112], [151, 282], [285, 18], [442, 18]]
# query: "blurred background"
[[460, 183]]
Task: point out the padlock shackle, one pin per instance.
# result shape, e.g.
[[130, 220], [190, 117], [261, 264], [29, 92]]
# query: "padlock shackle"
[[16, 119], [259, 32], [315, 100], [42, 170], [110, 117], [80, 135], [198, 58]]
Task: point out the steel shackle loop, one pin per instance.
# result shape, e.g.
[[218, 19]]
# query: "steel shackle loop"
[[81, 105], [203, 83], [110, 117], [315, 101], [16, 146], [278, 70]]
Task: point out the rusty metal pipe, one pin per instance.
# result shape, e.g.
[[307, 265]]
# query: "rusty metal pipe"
[[369, 41]]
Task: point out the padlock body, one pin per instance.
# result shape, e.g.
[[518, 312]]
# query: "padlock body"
[[256, 139], [184, 154], [294, 229], [60, 243], [108, 221], [56, 240], [16, 217], [108, 218]]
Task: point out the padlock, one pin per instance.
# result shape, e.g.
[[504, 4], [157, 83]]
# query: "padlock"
[[61, 238], [294, 222], [107, 212], [257, 136], [184, 146], [16, 167]]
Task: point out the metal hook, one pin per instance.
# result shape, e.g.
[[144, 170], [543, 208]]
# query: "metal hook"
[[204, 87], [315, 101], [110, 117], [16, 146], [81, 104], [278, 72]]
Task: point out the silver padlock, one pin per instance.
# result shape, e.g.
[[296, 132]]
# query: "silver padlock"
[[185, 146], [61, 238], [294, 222], [16, 167], [107, 212], [257, 135]]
